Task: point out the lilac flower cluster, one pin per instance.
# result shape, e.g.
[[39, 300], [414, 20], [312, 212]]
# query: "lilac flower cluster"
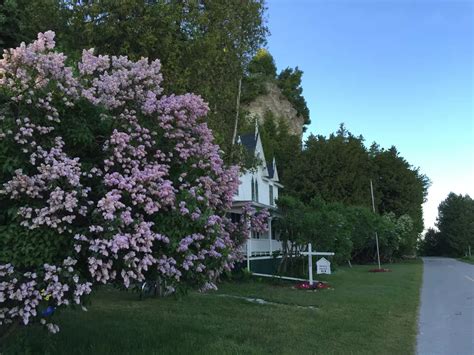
[[62, 204], [160, 168], [258, 219], [114, 82], [21, 295], [251, 220]]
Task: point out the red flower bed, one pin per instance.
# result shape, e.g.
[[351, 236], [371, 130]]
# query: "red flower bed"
[[315, 286], [380, 270]]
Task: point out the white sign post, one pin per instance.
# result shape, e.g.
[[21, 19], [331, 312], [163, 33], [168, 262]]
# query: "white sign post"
[[310, 264], [310, 254]]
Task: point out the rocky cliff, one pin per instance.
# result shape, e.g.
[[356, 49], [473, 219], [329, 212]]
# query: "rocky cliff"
[[276, 103]]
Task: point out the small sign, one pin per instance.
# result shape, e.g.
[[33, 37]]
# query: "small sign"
[[323, 266]]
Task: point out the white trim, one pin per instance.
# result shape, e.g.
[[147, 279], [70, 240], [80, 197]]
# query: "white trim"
[[279, 277], [265, 257], [248, 254], [316, 253], [309, 253], [310, 264]]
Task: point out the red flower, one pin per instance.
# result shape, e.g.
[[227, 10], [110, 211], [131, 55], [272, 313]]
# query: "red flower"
[[380, 270], [315, 286]]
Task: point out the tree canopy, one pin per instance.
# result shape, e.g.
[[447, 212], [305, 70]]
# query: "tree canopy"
[[289, 81], [455, 224], [204, 46], [339, 168], [335, 168], [349, 231], [280, 144]]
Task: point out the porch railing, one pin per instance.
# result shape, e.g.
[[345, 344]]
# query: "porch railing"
[[260, 247]]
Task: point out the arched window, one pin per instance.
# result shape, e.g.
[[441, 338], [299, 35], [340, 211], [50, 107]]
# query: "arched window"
[[256, 190], [253, 190]]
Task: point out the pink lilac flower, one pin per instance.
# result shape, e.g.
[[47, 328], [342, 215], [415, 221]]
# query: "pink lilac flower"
[[159, 167]]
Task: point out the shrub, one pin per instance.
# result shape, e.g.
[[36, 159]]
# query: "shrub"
[[105, 181]]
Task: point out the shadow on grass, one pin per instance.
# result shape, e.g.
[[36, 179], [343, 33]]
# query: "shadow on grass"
[[348, 319]]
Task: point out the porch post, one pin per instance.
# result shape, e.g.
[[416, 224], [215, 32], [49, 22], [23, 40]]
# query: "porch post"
[[270, 234], [249, 252]]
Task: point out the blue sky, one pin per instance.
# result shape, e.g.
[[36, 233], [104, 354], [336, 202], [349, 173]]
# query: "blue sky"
[[398, 72]]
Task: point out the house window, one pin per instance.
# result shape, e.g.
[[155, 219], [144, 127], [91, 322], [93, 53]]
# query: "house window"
[[256, 190], [253, 190], [271, 195]]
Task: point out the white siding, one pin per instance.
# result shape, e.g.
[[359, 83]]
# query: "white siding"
[[259, 174], [245, 188]]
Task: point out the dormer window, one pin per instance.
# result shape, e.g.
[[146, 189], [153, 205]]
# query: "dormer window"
[[254, 190], [270, 192]]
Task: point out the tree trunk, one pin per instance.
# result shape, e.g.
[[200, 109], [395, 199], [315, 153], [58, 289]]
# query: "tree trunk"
[[284, 259], [292, 252], [237, 109]]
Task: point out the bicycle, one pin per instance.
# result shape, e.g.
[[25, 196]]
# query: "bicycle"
[[148, 288]]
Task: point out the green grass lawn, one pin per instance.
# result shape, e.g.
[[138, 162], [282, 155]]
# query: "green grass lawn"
[[365, 313], [467, 259]]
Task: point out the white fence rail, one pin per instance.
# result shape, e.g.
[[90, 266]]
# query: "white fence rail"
[[255, 246]]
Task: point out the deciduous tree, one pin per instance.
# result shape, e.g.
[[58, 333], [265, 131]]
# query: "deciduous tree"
[[204, 46]]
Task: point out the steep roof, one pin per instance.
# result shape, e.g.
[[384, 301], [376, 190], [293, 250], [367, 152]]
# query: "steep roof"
[[249, 141]]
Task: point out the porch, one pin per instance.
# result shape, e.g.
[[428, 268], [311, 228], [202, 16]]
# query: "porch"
[[259, 244], [261, 247]]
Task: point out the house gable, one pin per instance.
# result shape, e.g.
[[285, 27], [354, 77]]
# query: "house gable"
[[260, 184]]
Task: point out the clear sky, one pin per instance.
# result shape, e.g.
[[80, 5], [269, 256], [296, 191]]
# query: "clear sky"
[[399, 72]]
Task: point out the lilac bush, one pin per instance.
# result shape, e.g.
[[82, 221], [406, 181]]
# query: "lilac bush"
[[116, 181]]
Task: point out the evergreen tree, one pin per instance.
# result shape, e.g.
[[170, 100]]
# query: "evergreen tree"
[[260, 71], [336, 169], [339, 168], [399, 188], [289, 81], [280, 144], [263, 63], [432, 244], [456, 224]]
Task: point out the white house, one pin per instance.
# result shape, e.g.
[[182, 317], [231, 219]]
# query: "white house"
[[259, 186]]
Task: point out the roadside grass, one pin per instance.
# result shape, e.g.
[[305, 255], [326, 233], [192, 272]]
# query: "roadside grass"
[[364, 313], [467, 259]]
